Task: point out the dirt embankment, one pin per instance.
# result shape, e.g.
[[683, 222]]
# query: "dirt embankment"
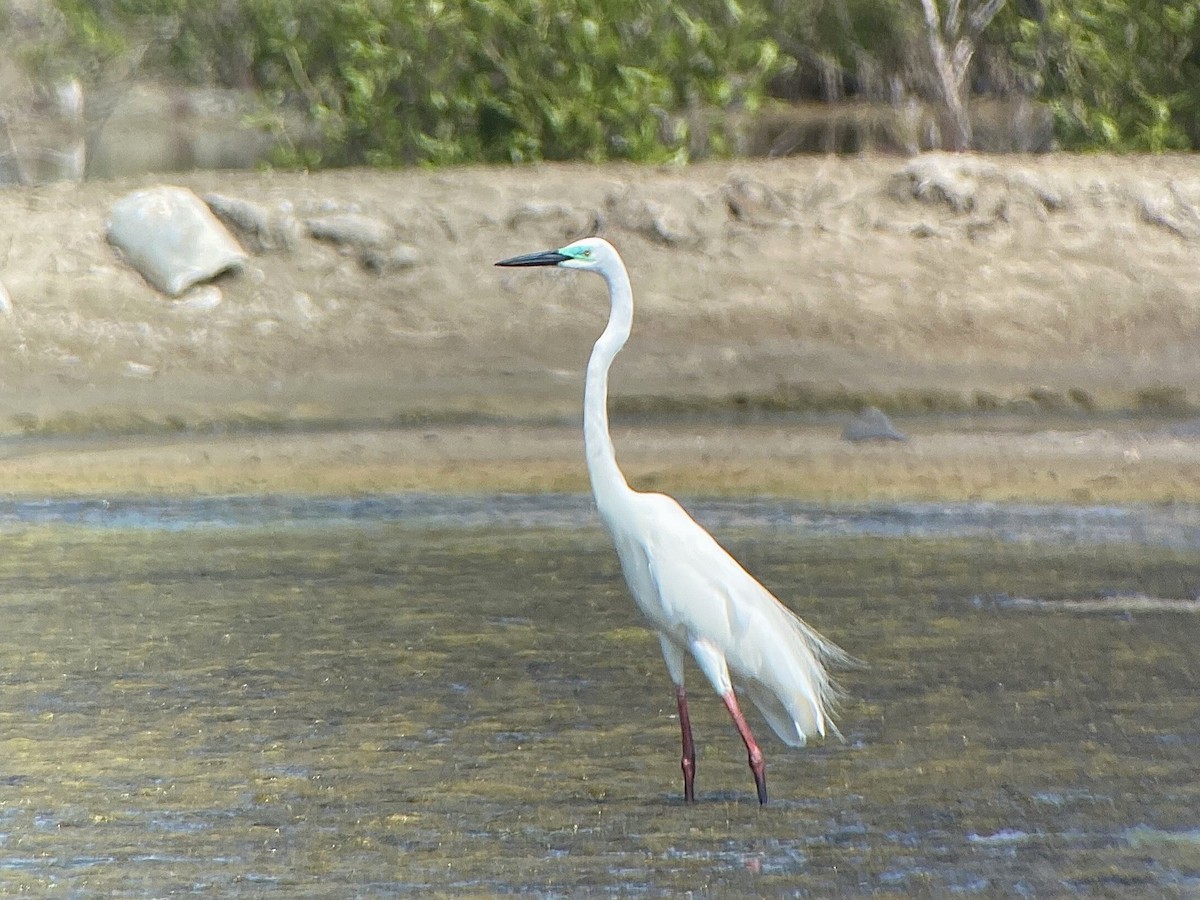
[[1053, 286]]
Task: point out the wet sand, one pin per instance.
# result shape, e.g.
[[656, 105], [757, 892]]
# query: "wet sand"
[[1122, 462]]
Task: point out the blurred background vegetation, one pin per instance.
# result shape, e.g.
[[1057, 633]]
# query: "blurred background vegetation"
[[385, 82]]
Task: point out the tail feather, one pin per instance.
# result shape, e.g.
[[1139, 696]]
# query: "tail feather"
[[782, 721], [793, 689]]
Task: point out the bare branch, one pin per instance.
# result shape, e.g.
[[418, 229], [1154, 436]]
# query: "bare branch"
[[933, 20], [960, 59], [952, 23], [951, 49], [981, 16]]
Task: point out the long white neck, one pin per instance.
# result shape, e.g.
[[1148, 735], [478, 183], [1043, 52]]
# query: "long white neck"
[[608, 484]]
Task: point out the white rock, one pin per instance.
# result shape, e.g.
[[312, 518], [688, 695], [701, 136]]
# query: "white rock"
[[172, 238], [200, 299]]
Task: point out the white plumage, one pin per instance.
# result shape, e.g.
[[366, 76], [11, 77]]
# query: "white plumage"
[[696, 595]]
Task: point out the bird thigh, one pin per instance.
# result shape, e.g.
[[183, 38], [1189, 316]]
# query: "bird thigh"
[[712, 664], [674, 658]]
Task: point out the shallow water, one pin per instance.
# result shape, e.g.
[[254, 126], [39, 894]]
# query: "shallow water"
[[331, 697], [1175, 525]]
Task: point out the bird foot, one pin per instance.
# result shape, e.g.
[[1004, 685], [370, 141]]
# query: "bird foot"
[[689, 779], [760, 780]]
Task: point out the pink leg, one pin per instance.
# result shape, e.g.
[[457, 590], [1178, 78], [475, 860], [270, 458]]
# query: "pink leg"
[[757, 764], [689, 748]]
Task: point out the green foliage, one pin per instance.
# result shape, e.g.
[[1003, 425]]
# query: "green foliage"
[[443, 81], [1120, 75]]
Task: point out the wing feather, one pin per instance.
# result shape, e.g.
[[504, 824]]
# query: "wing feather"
[[693, 589]]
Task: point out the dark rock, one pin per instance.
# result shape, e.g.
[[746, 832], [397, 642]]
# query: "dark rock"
[[266, 229], [872, 424], [351, 229]]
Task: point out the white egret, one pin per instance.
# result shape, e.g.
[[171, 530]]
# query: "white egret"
[[696, 596]]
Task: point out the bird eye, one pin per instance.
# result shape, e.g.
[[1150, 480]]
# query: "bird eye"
[[587, 253]]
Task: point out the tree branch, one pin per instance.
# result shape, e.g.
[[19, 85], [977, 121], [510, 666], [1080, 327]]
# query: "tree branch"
[[952, 21], [981, 16], [933, 20]]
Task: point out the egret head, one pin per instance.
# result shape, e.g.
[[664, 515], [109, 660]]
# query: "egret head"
[[589, 253]]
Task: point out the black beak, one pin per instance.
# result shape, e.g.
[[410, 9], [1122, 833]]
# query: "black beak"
[[542, 258]]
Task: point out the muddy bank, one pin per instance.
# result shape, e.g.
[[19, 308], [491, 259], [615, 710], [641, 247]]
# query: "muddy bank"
[[1024, 293]]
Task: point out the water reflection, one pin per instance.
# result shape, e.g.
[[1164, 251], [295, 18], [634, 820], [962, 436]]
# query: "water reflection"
[[361, 697]]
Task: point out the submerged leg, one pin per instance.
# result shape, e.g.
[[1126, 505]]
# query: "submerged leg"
[[688, 763], [757, 764]]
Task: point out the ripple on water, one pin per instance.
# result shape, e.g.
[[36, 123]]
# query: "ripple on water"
[[1175, 525], [339, 709]]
